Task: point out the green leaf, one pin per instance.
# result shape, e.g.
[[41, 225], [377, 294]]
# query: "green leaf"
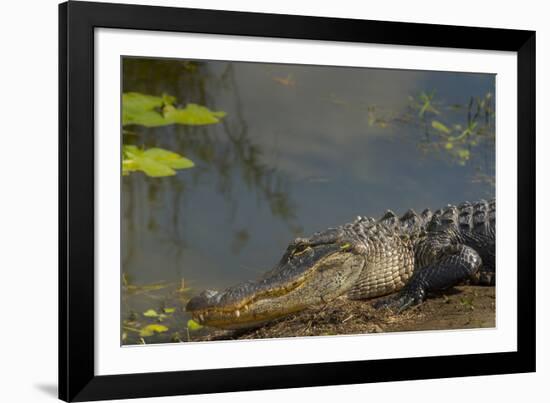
[[154, 162], [144, 118], [426, 101], [469, 130], [169, 310], [154, 168], [192, 325], [448, 146], [440, 126], [135, 101], [463, 154], [150, 313], [150, 330], [168, 99], [423, 109], [152, 111], [169, 158], [192, 114], [140, 109]]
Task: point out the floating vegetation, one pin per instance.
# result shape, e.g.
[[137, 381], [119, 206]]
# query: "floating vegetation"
[[458, 139], [374, 119], [441, 127], [424, 103], [139, 289], [150, 330], [165, 312], [442, 134], [192, 325], [154, 162], [147, 306], [150, 313], [153, 111]]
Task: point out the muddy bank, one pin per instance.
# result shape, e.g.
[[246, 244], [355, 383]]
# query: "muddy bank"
[[462, 307]]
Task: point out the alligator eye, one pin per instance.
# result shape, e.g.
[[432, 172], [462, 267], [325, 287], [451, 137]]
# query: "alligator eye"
[[299, 249]]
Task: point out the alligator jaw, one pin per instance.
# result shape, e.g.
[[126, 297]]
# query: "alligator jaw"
[[318, 275]]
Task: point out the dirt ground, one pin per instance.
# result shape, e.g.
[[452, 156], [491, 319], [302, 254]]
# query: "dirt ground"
[[462, 307]]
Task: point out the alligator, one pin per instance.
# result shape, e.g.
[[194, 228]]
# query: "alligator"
[[400, 259]]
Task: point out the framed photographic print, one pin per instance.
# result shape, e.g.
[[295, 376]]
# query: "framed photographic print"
[[259, 201]]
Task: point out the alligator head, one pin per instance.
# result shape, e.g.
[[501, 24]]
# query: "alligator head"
[[307, 274]]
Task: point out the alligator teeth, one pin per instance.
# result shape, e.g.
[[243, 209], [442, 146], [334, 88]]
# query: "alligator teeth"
[[237, 313], [201, 317], [246, 308]]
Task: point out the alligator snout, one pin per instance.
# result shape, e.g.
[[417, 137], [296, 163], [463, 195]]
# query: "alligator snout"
[[227, 298], [203, 300]]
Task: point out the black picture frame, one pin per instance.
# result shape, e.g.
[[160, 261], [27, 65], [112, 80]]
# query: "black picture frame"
[[77, 379]]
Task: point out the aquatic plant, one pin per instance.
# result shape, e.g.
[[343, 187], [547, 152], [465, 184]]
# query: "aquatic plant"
[[153, 111], [442, 133], [458, 139], [155, 162]]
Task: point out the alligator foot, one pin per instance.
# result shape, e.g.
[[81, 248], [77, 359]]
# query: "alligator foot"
[[401, 301], [457, 264]]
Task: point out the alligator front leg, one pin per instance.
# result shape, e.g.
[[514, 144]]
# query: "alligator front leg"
[[454, 265]]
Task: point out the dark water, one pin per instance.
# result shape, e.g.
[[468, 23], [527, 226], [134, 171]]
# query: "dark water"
[[302, 148]]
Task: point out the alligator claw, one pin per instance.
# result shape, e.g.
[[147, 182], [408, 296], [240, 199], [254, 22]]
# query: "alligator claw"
[[397, 303]]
